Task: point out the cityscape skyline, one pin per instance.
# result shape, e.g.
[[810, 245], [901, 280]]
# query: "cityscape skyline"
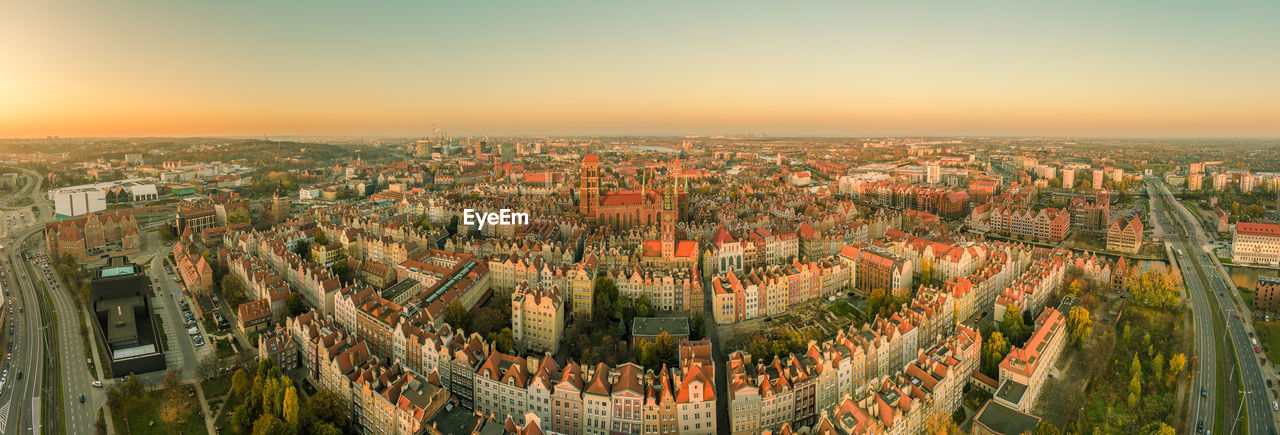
[[1002, 69]]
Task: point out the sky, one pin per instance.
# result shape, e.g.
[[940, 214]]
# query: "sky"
[[788, 68]]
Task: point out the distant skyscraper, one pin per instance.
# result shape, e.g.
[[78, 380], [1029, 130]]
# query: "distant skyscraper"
[[1068, 178], [1098, 175], [779, 158], [423, 148], [933, 173], [508, 152], [479, 148]]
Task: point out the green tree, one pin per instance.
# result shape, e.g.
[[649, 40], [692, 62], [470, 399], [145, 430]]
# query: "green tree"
[[326, 408], [664, 347], [697, 326], [644, 308], [502, 340], [993, 351], [240, 383], [1013, 327], [321, 239], [457, 316], [1135, 389], [294, 305], [1157, 368], [1045, 428]]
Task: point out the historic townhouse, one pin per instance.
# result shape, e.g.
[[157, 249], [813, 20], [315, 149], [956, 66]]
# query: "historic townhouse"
[[537, 318]]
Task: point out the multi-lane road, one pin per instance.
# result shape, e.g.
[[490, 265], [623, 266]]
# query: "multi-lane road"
[[48, 335], [1214, 298]]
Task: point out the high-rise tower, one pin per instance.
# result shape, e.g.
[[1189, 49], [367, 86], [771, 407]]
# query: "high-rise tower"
[[670, 209], [589, 190]]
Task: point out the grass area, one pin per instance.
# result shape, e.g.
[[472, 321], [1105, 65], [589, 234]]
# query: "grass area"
[[1247, 295], [143, 417], [220, 420], [1150, 332], [217, 386], [841, 308], [1269, 338], [52, 397], [223, 349]]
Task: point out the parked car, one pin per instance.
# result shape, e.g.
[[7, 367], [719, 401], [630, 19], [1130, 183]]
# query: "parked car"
[[97, 384]]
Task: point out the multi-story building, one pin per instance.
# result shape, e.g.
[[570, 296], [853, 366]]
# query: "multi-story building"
[[94, 235], [537, 318], [1023, 370], [1125, 236], [1267, 296], [696, 398], [501, 387], [627, 398], [278, 344], [1256, 243], [597, 402], [1091, 215], [567, 401]]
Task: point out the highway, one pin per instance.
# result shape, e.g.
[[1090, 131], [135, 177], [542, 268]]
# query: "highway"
[[37, 347], [1208, 287], [20, 411]]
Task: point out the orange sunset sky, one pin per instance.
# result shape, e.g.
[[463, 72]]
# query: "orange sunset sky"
[[135, 68]]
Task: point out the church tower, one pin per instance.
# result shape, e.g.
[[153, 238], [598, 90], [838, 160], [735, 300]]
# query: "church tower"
[[670, 209], [589, 189]]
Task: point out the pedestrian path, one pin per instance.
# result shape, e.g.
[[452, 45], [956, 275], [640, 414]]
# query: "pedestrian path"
[[4, 414]]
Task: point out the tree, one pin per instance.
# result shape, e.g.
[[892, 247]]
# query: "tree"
[[1156, 428], [926, 272], [646, 356], [697, 326], [177, 405], [321, 238], [644, 308], [1176, 364], [233, 290], [1013, 327], [326, 408], [269, 424], [1135, 389], [240, 383], [457, 316], [1157, 368], [1079, 325], [1074, 288], [1046, 428], [502, 340], [664, 347], [294, 305], [291, 406], [993, 351]]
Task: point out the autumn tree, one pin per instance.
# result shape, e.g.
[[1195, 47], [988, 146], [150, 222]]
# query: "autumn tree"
[[1176, 364], [177, 405], [290, 407], [1079, 325]]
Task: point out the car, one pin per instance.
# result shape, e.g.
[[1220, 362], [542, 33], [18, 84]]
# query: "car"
[[1200, 427], [1237, 315], [1268, 382], [19, 374], [81, 398], [125, 378], [97, 384], [1204, 392], [1275, 406], [1257, 349]]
